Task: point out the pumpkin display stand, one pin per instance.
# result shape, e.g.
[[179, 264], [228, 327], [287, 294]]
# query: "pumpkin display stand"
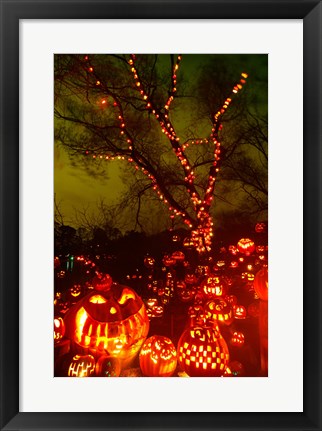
[[109, 321]]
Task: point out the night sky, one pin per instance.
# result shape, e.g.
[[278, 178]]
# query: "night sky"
[[76, 188]]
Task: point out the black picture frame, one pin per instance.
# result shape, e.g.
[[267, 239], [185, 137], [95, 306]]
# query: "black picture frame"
[[11, 12]]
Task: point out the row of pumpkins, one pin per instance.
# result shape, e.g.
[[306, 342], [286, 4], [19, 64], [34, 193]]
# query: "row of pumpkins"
[[108, 327]]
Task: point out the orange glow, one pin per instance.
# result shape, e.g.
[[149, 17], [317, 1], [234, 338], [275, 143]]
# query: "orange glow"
[[82, 366], [126, 295], [97, 299], [158, 357]]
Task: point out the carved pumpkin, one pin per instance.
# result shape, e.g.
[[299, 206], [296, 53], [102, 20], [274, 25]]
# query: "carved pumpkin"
[[214, 286], [168, 261], [178, 256], [260, 227], [237, 339], [190, 278], [188, 243], [102, 282], [202, 352], [110, 322], [59, 329], [108, 366], [75, 290], [218, 310], [187, 294], [261, 284], [233, 250], [82, 366], [240, 312], [246, 246], [149, 262], [158, 357]]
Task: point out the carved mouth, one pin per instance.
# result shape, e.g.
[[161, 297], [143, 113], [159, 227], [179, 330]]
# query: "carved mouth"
[[114, 337]]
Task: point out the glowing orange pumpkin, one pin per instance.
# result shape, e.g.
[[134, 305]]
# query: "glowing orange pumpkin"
[[178, 256], [261, 284], [111, 322], [82, 366], [240, 312], [214, 286], [246, 246], [202, 352], [260, 227], [158, 357], [59, 329], [102, 281], [218, 310], [149, 261], [237, 339]]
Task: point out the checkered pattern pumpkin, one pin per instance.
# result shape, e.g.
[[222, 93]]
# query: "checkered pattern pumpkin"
[[202, 352]]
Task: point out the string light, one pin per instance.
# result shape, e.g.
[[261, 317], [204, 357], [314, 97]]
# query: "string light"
[[202, 228]]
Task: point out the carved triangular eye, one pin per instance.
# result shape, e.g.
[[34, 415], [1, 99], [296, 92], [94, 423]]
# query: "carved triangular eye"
[[126, 295], [97, 299]]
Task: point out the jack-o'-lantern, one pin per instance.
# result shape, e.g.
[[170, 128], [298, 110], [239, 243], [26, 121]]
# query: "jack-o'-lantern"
[[234, 264], [240, 312], [202, 270], [260, 249], [218, 310], [190, 278], [107, 366], [237, 339], [202, 352], [246, 246], [151, 302], [233, 250], [157, 311], [181, 285], [175, 238], [158, 357], [149, 262], [261, 284], [75, 290], [188, 243], [214, 286], [260, 227], [82, 366], [102, 282], [187, 294], [59, 329], [110, 322], [168, 261], [178, 256]]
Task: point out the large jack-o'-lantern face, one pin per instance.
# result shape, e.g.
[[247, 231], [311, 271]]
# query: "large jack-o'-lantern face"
[[110, 322]]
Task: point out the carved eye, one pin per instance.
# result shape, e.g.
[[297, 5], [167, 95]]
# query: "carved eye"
[[97, 299], [126, 295]]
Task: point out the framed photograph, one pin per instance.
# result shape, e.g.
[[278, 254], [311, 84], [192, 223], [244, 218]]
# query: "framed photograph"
[[160, 169]]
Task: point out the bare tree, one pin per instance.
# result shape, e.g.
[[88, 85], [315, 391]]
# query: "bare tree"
[[132, 108]]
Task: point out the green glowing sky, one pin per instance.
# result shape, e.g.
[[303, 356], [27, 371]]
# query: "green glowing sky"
[[75, 188]]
